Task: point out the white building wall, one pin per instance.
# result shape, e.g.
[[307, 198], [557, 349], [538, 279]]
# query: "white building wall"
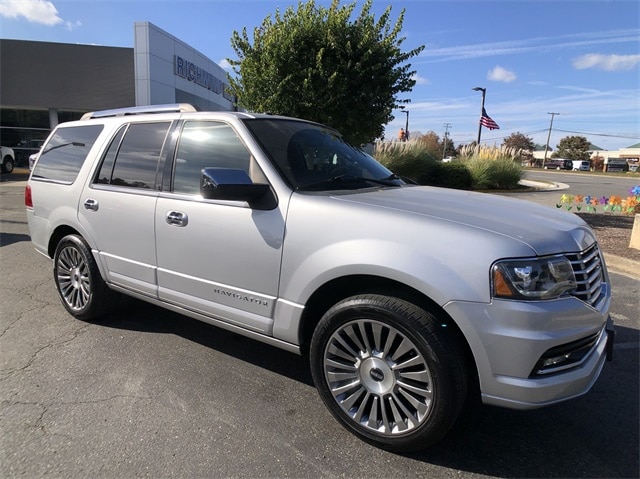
[[157, 80]]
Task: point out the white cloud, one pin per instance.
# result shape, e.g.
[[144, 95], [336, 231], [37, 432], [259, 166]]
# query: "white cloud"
[[36, 11], [71, 26], [224, 63], [528, 45], [421, 80], [501, 74], [608, 63], [538, 83]]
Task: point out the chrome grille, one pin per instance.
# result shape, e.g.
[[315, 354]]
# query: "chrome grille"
[[587, 267]]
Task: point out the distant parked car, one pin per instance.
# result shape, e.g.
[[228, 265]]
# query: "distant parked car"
[[25, 149], [8, 159], [558, 164], [577, 165]]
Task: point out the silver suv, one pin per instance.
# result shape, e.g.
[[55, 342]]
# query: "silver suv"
[[407, 300]]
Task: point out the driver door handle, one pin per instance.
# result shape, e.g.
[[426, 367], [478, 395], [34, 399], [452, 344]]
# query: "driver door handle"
[[176, 218]]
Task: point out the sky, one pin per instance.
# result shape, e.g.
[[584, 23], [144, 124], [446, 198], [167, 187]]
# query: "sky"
[[577, 58]]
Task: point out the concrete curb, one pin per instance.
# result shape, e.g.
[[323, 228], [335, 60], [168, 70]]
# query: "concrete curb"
[[543, 185]]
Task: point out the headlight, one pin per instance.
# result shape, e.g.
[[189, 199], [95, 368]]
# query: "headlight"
[[533, 278]]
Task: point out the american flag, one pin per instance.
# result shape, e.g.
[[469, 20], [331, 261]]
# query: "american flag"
[[487, 122]]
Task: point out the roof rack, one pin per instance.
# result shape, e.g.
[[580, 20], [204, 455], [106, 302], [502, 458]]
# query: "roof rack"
[[141, 110]]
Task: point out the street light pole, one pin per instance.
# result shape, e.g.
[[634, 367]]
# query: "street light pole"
[[406, 125], [484, 92]]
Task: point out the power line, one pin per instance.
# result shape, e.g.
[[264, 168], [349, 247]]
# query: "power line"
[[610, 135], [600, 134]]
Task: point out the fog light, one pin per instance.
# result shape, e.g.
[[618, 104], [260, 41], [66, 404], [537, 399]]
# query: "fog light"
[[555, 361], [566, 356]]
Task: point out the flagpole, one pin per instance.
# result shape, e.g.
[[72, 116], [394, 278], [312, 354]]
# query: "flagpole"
[[484, 92]]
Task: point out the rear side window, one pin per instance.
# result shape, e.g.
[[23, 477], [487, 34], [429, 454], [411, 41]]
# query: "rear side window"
[[133, 160], [64, 154]]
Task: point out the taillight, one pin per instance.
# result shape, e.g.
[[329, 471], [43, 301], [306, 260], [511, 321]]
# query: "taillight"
[[28, 199]]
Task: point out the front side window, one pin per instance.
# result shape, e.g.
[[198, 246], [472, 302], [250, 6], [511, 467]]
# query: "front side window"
[[65, 153], [137, 156], [207, 144]]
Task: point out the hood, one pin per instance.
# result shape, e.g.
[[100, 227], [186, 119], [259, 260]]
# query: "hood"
[[543, 229]]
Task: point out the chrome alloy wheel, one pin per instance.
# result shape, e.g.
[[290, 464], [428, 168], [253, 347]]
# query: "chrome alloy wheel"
[[378, 377], [72, 275]]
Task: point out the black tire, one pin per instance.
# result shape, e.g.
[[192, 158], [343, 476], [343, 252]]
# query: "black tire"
[[389, 371], [7, 164], [81, 288]]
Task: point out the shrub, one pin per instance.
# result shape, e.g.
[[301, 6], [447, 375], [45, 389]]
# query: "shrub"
[[597, 163], [492, 168], [454, 175], [480, 168], [407, 159]]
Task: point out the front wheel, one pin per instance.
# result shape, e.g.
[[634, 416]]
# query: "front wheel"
[[389, 371], [81, 288]]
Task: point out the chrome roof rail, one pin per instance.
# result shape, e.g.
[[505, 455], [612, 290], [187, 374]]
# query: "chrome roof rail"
[[141, 110]]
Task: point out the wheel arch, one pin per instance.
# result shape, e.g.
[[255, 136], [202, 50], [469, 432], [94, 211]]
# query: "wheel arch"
[[341, 288], [59, 233]]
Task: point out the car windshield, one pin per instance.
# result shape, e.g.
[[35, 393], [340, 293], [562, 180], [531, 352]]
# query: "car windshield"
[[313, 157]]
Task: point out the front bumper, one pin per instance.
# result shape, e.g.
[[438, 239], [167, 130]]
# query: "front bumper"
[[511, 339]]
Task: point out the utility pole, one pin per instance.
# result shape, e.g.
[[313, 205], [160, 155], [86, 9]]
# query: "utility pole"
[[446, 134], [546, 148]]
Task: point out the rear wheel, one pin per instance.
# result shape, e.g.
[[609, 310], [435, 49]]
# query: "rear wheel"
[[7, 164], [389, 371], [81, 288]]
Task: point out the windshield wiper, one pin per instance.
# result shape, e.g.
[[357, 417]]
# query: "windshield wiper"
[[391, 180]]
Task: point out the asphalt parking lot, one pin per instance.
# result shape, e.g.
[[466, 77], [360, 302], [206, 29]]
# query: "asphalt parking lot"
[[148, 393]]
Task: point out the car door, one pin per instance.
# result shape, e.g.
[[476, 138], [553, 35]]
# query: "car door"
[[218, 258], [118, 208]]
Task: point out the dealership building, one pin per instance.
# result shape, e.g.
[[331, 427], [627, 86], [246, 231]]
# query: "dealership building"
[[43, 84]]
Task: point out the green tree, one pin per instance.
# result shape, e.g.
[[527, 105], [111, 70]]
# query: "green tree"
[[315, 63], [431, 142], [522, 144], [573, 148], [519, 141], [436, 147]]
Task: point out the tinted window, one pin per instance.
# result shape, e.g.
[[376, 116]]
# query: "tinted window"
[[64, 154], [106, 169], [314, 157], [137, 158], [207, 144]]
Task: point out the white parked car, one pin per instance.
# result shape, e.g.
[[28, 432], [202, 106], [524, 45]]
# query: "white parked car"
[[8, 159], [581, 165], [405, 299]]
